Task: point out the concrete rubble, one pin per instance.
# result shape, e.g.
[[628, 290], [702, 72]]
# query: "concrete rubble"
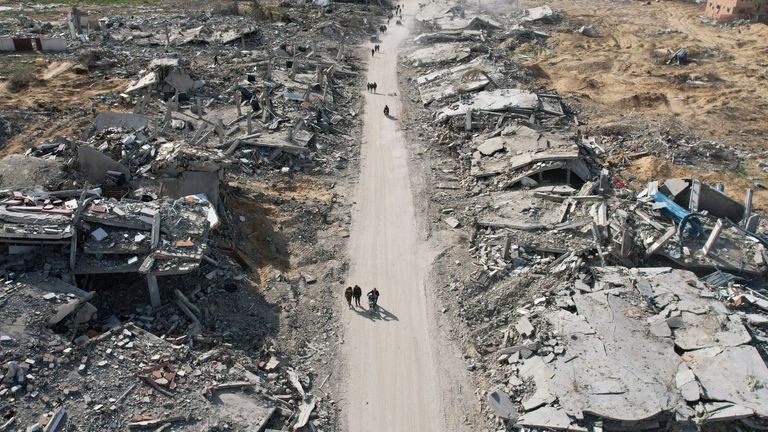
[[157, 248], [590, 305]]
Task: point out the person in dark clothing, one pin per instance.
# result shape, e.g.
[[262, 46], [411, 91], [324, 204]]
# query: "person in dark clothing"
[[373, 50], [357, 292], [373, 296], [348, 295]]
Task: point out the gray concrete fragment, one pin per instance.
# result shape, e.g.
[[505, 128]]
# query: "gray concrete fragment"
[[539, 398], [95, 164], [701, 331], [549, 418], [106, 120], [724, 411], [685, 381], [502, 405], [491, 146], [524, 327], [731, 376], [591, 362]]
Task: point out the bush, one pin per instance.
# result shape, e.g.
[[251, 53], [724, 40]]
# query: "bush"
[[19, 81]]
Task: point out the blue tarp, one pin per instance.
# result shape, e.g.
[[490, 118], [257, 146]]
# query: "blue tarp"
[[679, 214]]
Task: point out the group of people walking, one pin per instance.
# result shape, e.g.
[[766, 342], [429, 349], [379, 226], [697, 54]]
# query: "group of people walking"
[[356, 293], [372, 87]]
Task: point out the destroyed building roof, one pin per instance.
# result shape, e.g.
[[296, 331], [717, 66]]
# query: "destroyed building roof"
[[446, 83], [494, 100], [537, 13]]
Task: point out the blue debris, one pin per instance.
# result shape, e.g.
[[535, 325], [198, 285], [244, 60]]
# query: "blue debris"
[[679, 214]]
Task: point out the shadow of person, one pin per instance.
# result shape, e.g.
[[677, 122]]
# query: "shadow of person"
[[365, 313], [386, 315]]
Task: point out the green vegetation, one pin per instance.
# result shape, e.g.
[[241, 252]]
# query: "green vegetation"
[[19, 81], [17, 64]]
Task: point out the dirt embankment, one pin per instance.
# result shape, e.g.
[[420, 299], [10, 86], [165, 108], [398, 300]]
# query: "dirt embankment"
[[721, 93], [60, 99]]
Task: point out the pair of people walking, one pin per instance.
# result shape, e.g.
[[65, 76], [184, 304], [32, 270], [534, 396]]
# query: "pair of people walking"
[[351, 293]]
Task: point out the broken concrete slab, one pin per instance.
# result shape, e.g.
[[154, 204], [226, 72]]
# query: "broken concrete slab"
[[96, 165], [524, 327], [685, 381], [723, 411], [591, 360], [549, 418], [440, 53], [501, 404], [537, 13], [491, 146], [128, 121], [494, 100], [731, 375]]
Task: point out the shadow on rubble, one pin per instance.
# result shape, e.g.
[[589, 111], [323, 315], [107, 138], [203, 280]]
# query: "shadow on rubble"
[[257, 242], [228, 309]]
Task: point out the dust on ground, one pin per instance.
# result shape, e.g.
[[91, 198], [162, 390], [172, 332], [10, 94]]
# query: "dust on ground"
[[61, 99], [721, 93]]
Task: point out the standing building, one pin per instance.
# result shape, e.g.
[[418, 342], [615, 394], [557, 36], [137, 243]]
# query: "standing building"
[[754, 10]]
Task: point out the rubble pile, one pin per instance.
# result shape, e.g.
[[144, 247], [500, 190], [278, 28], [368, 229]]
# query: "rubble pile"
[[181, 380], [146, 278], [590, 306]]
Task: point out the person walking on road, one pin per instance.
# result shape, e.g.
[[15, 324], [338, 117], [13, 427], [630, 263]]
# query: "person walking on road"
[[348, 293], [357, 292], [373, 296]]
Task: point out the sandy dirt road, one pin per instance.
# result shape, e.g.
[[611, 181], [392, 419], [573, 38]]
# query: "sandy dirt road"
[[396, 379]]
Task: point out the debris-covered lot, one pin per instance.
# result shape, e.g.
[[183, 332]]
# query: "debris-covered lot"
[[605, 266], [176, 184], [174, 211]]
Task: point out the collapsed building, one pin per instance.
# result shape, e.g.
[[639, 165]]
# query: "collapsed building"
[[125, 285], [590, 306]]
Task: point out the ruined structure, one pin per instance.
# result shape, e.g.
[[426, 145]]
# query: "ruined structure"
[[753, 10]]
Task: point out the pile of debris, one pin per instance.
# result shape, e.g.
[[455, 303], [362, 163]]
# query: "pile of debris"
[[582, 303], [128, 295], [117, 376]]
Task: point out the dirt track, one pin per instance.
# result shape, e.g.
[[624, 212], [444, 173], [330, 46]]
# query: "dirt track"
[[398, 376]]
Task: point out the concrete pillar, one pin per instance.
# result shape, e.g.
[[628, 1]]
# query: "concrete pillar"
[[712, 237], [468, 120], [220, 130], [693, 202], [747, 207], [753, 223], [154, 291], [661, 241]]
